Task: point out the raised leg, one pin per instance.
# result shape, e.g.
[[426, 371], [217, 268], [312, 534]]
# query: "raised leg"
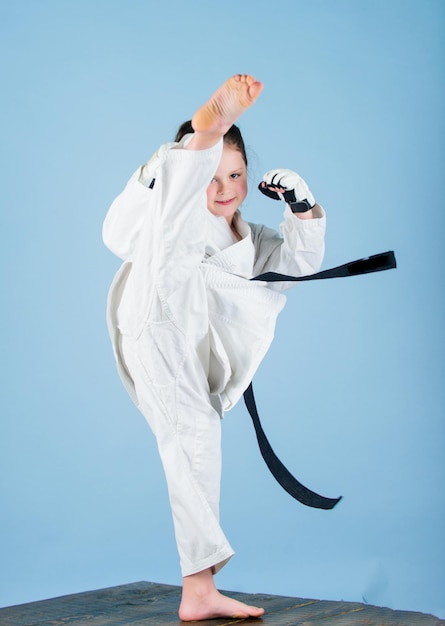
[[216, 116]]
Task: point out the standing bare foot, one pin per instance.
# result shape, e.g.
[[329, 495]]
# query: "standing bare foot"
[[216, 116], [201, 600]]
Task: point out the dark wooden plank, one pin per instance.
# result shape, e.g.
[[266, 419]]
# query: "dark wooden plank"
[[153, 604], [296, 611], [124, 604]]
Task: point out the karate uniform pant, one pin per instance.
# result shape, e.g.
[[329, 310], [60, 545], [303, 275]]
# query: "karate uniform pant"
[[186, 421], [164, 357]]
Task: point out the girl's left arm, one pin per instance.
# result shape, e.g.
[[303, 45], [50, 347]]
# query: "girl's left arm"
[[298, 250]]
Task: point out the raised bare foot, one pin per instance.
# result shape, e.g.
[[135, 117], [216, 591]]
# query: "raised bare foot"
[[217, 115], [212, 606], [201, 600]]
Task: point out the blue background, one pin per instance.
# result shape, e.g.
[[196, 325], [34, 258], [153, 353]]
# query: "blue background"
[[352, 391]]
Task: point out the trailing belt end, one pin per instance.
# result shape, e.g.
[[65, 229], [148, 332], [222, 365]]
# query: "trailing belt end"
[[374, 263]]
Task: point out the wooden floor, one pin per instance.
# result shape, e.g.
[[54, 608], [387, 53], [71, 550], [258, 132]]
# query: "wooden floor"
[[155, 604]]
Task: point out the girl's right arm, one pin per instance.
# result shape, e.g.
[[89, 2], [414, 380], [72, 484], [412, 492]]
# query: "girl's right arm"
[[126, 215]]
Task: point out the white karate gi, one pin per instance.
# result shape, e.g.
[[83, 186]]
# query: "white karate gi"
[[188, 327]]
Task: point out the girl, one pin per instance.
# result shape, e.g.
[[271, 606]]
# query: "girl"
[[188, 327]]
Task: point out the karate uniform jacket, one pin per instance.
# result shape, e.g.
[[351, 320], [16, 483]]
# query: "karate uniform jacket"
[[184, 286]]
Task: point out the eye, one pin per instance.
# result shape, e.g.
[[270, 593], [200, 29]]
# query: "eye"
[[235, 175], [213, 180]]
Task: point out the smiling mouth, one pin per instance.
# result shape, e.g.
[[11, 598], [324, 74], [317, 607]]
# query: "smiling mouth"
[[225, 202]]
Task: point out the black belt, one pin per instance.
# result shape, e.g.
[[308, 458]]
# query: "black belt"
[[375, 263]]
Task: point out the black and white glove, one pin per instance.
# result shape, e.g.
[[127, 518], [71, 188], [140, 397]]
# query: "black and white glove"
[[288, 186]]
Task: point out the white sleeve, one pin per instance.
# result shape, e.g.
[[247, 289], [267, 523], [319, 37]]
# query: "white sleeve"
[[125, 217], [298, 251]]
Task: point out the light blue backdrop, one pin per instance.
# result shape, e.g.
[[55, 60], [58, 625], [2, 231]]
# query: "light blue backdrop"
[[352, 392]]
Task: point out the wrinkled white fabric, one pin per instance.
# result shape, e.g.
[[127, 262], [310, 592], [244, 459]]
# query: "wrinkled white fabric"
[[188, 327]]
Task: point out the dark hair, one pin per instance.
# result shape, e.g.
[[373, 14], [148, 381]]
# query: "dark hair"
[[232, 137]]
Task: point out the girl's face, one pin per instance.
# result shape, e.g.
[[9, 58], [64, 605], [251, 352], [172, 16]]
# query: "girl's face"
[[228, 188]]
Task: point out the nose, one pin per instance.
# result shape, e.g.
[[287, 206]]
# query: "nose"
[[222, 186]]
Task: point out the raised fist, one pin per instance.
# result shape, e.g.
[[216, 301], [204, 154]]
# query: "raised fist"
[[282, 184]]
